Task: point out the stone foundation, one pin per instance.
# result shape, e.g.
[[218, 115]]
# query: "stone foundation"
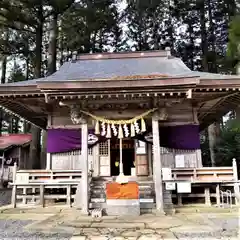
[[122, 207]]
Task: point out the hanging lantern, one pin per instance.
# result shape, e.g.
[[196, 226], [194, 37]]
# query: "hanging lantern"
[[120, 132], [97, 132], [109, 135], [143, 125]]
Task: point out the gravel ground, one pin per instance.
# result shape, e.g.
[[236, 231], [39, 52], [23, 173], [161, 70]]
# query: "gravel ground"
[[13, 229], [230, 230]]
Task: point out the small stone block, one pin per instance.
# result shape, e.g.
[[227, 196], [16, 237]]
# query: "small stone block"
[[78, 238]]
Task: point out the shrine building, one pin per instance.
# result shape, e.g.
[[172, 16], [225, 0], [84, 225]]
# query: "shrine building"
[[125, 117]]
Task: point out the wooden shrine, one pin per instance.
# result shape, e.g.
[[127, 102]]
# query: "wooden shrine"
[[123, 117]]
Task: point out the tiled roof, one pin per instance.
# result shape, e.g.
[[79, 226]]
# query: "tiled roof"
[[107, 68], [9, 140]]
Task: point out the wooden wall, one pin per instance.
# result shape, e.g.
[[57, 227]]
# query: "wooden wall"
[[178, 114], [191, 158]]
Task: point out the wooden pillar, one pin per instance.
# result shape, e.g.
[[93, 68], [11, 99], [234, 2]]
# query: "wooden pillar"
[[179, 199], [48, 161], [96, 161], [68, 195], [14, 187], [157, 165], [218, 201], [42, 198], [48, 155], [2, 169], [236, 186], [207, 196], [149, 152], [84, 161]]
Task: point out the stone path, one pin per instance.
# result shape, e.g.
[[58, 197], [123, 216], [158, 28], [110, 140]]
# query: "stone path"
[[65, 223]]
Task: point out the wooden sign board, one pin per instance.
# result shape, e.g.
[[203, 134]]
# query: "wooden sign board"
[[184, 187], [170, 186], [140, 148], [180, 161], [22, 178], [167, 174]]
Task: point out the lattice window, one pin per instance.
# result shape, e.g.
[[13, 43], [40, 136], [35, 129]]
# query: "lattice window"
[[103, 149]]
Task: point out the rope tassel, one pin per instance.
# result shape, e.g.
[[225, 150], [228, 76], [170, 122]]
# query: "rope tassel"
[[143, 125], [120, 132], [132, 130], [109, 135], [97, 132]]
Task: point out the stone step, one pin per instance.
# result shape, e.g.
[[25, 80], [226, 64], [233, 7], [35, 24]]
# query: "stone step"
[[143, 205]]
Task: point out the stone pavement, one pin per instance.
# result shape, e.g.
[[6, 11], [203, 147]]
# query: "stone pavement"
[[69, 222]]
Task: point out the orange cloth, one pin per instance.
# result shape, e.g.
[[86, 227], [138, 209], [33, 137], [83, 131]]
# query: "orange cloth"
[[122, 191]]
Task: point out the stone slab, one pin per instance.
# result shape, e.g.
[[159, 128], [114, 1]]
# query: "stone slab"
[[193, 229], [78, 238], [122, 225]]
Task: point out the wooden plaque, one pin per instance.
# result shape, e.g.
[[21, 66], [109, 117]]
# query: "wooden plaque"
[[122, 191]]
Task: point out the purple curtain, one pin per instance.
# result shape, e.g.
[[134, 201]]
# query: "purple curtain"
[[184, 137], [64, 140]]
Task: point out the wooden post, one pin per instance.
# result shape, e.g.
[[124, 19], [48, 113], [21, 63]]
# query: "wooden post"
[[42, 202], [157, 166], [2, 170], [84, 160], [121, 158], [149, 156], [207, 196], [14, 187], [236, 185], [96, 159], [179, 199], [69, 195], [48, 161], [218, 195], [24, 199]]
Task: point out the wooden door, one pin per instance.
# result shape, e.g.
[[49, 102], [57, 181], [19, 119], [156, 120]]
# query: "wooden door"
[[104, 159], [141, 159]]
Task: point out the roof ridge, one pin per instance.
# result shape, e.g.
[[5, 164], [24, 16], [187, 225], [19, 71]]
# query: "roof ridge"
[[122, 55]]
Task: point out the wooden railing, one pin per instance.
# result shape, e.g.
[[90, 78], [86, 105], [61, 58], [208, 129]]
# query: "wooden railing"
[[205, 174], [33, 185], [206, 178], [202, 175]]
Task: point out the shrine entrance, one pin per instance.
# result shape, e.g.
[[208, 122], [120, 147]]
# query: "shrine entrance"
[[128, 156]]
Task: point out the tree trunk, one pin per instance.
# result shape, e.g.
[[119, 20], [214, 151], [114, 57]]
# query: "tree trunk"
[[204, 42], [52, 59], [212, 40], [35, 147], [213, 133], [52, 50], [3, 80]]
